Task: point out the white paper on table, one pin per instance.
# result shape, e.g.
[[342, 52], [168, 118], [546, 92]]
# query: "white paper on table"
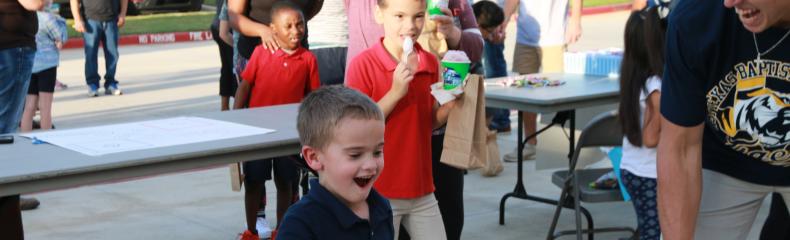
[[101, 140]]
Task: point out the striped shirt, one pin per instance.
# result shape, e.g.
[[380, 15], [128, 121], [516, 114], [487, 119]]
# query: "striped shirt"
[[330, 27]]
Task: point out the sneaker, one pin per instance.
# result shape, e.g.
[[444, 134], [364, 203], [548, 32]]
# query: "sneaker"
[[262, 226], [28, 203], [247, 235], [112, 89], [93, 90], [528, 153], [499, 127], [505, 129], [60, 86]]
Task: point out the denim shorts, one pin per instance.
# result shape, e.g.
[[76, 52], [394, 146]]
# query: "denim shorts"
[[16, 65]]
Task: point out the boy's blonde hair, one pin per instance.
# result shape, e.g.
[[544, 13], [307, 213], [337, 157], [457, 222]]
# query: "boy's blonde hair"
[[322, 110], [383, 3]]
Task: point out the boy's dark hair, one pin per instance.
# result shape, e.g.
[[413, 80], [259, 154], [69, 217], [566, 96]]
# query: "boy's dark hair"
[[284, 5], [642, 57], [488, 14], [322, 110]]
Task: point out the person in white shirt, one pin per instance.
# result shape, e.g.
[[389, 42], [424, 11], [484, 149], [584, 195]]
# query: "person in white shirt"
[[544, 30]]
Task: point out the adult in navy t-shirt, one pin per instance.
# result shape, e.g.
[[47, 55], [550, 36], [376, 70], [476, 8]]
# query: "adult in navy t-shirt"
[[720, 99]]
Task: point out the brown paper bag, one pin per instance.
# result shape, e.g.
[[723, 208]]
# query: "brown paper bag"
[[465, 138], [493, 163], [236, 177]]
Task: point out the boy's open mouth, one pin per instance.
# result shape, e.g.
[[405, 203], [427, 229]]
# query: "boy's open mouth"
[[363, 181]]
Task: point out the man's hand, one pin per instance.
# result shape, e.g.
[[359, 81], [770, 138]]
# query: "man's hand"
[[509, 9], [121, 20], [497, 36], [444, 23], [446, 26], [79, 26], [574, 29], [573, 32], [267, 39]]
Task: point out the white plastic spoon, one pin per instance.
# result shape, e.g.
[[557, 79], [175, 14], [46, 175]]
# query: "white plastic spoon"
[[408, 47]]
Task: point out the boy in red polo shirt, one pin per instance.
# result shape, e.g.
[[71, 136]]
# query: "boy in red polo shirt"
[[401, 87], [273, 78]]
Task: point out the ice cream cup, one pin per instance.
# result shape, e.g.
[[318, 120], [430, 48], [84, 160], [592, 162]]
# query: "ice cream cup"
[[435, 6], [454, 73]]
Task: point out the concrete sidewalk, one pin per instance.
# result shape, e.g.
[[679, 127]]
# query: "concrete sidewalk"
[[180, 79]]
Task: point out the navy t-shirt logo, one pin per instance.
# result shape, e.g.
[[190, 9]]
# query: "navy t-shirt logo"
[[750, 110]]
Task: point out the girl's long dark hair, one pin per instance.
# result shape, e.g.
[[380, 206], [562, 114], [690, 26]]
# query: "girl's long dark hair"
[[655, 36], [643, 57]]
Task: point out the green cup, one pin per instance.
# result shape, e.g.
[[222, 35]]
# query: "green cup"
[[435, 6], [454, 74]]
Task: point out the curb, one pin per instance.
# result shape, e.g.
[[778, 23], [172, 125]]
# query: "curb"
[[606, 9], [146, 39]]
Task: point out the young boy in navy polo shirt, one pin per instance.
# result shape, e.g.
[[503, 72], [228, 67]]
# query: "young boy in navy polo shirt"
[[272, 78], [399, 81], [342, 136]]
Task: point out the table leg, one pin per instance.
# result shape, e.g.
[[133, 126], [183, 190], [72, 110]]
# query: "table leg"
[[519, 191], [572, 136], [10, 218]]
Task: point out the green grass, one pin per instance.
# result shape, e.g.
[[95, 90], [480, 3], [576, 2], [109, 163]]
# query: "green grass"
[[159, 23], [596, 3], [210, 2]]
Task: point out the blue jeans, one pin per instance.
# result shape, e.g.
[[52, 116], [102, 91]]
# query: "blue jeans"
[[496, 66], [106, 33], [16, 65]]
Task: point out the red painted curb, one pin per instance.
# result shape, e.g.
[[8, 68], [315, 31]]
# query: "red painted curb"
[[145, 39], [606, 9]]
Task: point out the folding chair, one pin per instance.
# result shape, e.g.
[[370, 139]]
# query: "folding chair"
[[602, 131]]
